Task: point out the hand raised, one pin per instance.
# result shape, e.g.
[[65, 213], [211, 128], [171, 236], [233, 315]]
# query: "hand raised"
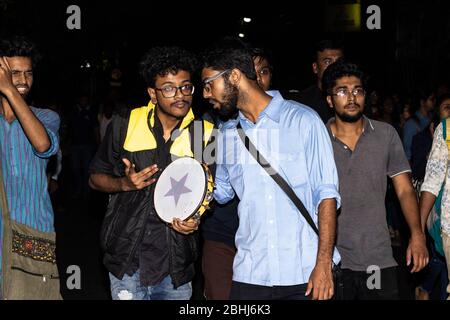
[[5, 75], [137, 180]]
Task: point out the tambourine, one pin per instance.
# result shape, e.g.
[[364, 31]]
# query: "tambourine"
[[183, 190]]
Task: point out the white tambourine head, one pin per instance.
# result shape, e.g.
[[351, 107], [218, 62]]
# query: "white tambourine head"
[[180, 189]]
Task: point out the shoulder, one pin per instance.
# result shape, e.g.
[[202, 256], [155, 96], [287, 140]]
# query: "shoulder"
[[293, 112], [49, 118], [439, 132], [383, 130], [412, 123], [380, 125], [45, 113]]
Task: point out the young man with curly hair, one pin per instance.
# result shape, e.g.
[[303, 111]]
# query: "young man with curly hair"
[[148, 259]]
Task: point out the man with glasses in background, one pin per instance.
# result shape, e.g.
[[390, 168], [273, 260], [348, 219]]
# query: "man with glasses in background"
[[366, 152], [147, 259]]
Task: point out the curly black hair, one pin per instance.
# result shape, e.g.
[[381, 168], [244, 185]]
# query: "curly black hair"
[[164, 60], [338, 70], [19, 46], [230, 53]]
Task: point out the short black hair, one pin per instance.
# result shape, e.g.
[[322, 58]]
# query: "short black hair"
[[230, 53], [339, 69], [19, 46], [164, 60], [262, 54], [329, 44]]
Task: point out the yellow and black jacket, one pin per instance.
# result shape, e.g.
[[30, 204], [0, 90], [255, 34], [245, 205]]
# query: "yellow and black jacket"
[[131, 136]]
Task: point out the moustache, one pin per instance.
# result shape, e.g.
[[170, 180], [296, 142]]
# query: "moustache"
[[352, 105], [178, 102]]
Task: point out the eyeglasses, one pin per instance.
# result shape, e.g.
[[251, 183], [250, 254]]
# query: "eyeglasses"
[[171, 91], [207, 82], [343, 93]]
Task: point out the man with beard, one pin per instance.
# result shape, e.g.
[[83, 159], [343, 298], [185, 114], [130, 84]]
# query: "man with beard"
[[28, 138], [219, 228], [148, 259], [278, 254], [366, 152]]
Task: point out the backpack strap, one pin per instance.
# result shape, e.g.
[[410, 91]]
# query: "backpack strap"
[[6, 238]]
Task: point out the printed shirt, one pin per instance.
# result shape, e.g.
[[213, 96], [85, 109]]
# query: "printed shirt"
[[437, 174]]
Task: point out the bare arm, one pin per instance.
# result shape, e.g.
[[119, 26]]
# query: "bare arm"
[[33, 128], [427, 200], [417, 250], [321, 280]]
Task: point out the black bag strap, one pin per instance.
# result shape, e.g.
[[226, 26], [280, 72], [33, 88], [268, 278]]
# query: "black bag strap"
[[276, 177]]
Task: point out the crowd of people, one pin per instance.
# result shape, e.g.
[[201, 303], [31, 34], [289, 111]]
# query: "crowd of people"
[[307, 184]]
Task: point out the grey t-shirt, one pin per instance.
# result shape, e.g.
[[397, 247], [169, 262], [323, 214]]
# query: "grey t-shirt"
[[362, 232]]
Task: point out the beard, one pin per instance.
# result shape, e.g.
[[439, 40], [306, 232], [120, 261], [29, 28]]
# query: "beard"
[[23, 94], [228, 106], [345, 117]]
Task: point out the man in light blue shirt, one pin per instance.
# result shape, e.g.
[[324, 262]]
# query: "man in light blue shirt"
[[278, 254]]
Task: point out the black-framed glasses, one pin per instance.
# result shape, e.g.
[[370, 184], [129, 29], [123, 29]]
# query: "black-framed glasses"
[[344, 92], [171, 91], [207, 82]]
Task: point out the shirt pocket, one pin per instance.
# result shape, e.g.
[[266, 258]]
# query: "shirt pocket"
[[293, 168]]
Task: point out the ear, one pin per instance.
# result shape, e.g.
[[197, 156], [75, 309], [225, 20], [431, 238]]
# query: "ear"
[[152, 94], [235, 76], [315, 68], [330, 103]]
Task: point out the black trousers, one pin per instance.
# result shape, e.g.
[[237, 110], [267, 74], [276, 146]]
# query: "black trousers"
[[357, 286], [245, 291]]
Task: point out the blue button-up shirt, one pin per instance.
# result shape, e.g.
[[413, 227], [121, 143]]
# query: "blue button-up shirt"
[[276, 246]]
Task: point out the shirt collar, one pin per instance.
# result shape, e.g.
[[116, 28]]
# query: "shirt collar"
[[273, 109], [367, 127]]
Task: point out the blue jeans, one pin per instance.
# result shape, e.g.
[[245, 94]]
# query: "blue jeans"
[[130, 288]]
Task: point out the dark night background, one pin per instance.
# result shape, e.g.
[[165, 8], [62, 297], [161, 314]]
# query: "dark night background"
[[411, 49], [413, 45]]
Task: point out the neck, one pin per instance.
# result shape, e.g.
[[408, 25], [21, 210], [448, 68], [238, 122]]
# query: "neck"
[[342, 128], [168, 122], [252, 107]]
